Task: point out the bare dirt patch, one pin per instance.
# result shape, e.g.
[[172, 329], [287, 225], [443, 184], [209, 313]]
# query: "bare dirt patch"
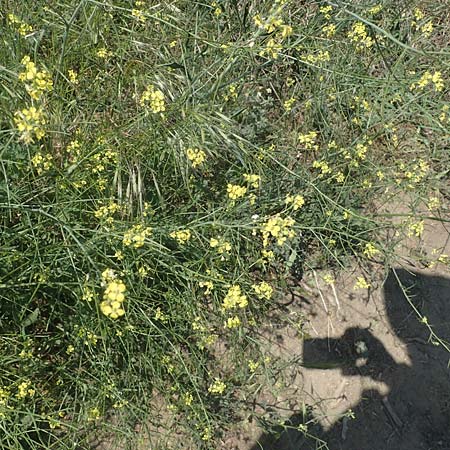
[[365, 374]]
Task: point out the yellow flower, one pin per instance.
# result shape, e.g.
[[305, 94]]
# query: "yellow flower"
[[136, 236], [221, 245], [252, 365], [358, 35], [113, 298], [209, 285], [308, 140], [235, 191], [21, 27], [323, 167], [326, 10], [267, 255], [24, 390], [217, 387], [93, 414], [234, 298], [139, 15], [370, 250], [154, 98], [70, 349], [328, 279], [196, 156], [73, 76], [278, 228], [103, 53], [42, 163], [361, 283], [188, 399], [375, 9], [232, 322], [30, 123], [182, 236], [263, 290], [289, 103], [272, 50], [427, 28], [427, 78], [252, 179], [297, 201], [415, 228]]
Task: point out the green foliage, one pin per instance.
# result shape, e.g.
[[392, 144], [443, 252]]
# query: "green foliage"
[[329, 108]]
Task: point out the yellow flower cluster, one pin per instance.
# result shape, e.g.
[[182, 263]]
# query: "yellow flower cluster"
[[370, 250], [221, 245], [272, 49], [106, 212], [36, 82], [88, 294], [288, 104], [196, 156], [30, 123], [139, 15], [323, 167], [89, 338], [427, 78], [4, 398], [358, 35], [42, 163], [24, 390], [209, 285], [413, 175], [103, 53], [361, 283], [235, 191], [329, 30], [232, 322], [113, 298], [273, 25], [21, 27], [234, 298], [154, 98], [232, 92], [320, 56], [252, 179], [93, 414], [278, 228], [136, 235], [415, 228], [263, 290], [217, 387], [361, 151], [217, 9], [267, 255], [182, 236], [308, 140], [444, 117], [73, 76], [426, 28], [297, 201], [326, 10], [252, 365]]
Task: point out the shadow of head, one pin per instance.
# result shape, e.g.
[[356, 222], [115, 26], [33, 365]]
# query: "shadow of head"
[[407, 296]]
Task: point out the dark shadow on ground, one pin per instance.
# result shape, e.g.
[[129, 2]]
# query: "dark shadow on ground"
[[415, 414]]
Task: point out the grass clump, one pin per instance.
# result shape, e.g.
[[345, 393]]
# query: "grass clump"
[[165, 167]]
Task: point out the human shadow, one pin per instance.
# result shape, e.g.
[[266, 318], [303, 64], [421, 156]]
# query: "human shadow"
[[415, 413]]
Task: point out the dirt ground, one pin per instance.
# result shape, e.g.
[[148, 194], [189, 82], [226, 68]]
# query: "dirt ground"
[[366, 375]]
